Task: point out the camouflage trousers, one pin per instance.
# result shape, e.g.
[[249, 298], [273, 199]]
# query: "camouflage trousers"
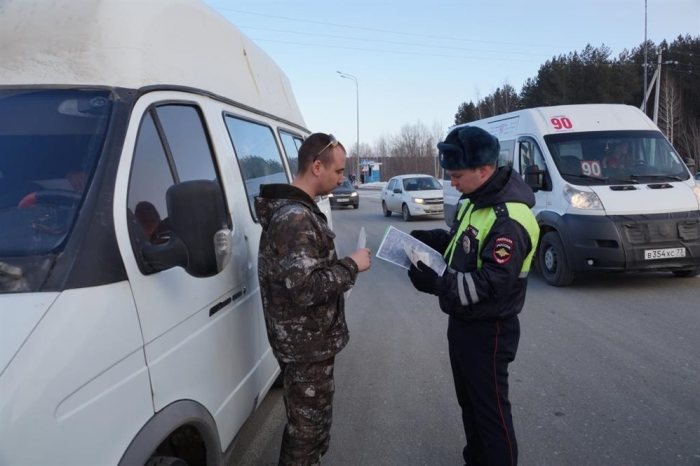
[[308, 398]]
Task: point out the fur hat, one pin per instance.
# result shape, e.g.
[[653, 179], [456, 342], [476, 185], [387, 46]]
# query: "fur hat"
[[468, 147]]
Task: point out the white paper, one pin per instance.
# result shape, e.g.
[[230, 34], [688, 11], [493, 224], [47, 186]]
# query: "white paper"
[[362, 239], [402, 249]]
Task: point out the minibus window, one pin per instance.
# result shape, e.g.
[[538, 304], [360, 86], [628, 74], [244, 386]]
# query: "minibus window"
[[258, 156], [150, 178], [291, 144], [171, 147], [50, 141]]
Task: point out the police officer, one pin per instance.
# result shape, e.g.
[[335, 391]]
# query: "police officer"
[[302, 281], [488, 252]]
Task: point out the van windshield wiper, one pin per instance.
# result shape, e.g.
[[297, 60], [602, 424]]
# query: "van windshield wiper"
[[637, 177], [621, 180], [586, 177]]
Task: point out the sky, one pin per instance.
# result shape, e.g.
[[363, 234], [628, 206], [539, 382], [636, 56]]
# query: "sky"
[[417, 61]]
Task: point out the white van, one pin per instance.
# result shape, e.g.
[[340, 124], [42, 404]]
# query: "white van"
[[611, 192], [133, 135]]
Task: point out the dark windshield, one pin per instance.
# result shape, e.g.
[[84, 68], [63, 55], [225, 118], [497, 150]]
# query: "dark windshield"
[[423, 183], [50, 141], [615, 157]]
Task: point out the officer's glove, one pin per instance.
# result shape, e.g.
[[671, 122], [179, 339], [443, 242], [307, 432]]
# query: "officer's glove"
[[423, 278], [423, 236]]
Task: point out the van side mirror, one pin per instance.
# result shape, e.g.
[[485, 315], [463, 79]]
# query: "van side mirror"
[[196, 212], [534, 177], [397, 190]]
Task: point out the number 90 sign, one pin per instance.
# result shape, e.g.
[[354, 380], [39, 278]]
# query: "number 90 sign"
[[561, 123]]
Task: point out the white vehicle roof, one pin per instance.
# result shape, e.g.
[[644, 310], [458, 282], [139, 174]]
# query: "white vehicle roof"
[[415, 175], [133, 44], [583, 117]]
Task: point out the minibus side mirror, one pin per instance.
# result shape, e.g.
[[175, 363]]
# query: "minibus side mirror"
[[534, 177], [196, 212]]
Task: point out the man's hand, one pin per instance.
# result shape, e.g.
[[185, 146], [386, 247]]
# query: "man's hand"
[[363, 258], [423, 278]]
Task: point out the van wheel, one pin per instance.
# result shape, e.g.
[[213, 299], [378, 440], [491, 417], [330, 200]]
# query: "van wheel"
[[552, 261], [165, 461], [387, 212], [687, 273], [406, 213]]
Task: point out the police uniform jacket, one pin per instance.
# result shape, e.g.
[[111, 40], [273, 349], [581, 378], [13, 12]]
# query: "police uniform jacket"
[[302, 281], [494, 286]]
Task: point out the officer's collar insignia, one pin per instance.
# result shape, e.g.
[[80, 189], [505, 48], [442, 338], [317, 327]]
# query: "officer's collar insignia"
[[502, 250]]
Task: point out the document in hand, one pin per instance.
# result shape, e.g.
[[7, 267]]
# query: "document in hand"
[[402, 249]]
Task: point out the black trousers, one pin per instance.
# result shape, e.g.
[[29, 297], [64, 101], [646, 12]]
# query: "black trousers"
[[480, 352]]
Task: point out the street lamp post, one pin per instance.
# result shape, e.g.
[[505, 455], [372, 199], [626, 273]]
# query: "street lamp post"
[[357, 100]]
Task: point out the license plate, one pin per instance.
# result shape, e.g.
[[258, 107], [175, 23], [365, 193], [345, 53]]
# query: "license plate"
[[342, 200], [669, 253]]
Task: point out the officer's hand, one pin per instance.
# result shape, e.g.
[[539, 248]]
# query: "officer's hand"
[[423, 278], [423, 236]]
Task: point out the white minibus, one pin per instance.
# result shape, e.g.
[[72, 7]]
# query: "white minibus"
[[133, 139], [611, 192]]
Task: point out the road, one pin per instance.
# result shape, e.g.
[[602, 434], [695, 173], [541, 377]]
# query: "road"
[[607, 373]]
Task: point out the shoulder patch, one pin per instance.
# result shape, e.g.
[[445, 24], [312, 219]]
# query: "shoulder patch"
[[502, 250]]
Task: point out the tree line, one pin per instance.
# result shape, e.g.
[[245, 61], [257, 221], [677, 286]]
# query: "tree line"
[[591, 75]]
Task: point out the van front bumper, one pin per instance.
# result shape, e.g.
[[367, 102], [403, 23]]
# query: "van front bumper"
[[632, 242]]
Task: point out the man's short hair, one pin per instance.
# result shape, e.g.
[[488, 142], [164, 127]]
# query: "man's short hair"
[[318, 146], [468, 147]]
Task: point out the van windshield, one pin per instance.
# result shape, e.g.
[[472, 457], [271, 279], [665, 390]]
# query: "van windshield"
[[615, 157], [50, 140]]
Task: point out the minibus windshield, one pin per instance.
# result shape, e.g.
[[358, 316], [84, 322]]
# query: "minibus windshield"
[[50, 140], [615, 157]]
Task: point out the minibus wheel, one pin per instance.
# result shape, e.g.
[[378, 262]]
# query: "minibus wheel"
[[552, 261], [165, 461]]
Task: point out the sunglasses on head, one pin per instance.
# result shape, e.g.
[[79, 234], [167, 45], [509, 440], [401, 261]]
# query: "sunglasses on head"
[[332, 144]]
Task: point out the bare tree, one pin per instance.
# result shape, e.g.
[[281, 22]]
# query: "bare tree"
[[670, 108]]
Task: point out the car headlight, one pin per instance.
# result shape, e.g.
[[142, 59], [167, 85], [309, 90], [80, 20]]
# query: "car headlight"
[[353, 194], [696, 191], [418, 200], [582, 199], [330, 194]]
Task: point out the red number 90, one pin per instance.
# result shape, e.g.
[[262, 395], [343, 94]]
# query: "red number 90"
[[560, 123]]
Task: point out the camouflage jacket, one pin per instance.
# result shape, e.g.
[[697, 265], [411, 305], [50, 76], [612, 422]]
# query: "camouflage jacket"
[[302, 281]]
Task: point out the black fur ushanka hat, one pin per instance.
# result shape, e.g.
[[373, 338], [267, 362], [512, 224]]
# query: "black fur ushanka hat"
[[468, 147]]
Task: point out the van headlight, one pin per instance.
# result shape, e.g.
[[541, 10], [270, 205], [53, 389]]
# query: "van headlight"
[[587, 200], [696, 191], [418, 200]]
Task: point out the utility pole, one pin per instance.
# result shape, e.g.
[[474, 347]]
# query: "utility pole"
[[357, 101], [644, 101], [658, 87]]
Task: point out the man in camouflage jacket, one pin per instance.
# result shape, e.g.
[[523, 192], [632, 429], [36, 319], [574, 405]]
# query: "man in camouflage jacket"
[[302, 282]]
